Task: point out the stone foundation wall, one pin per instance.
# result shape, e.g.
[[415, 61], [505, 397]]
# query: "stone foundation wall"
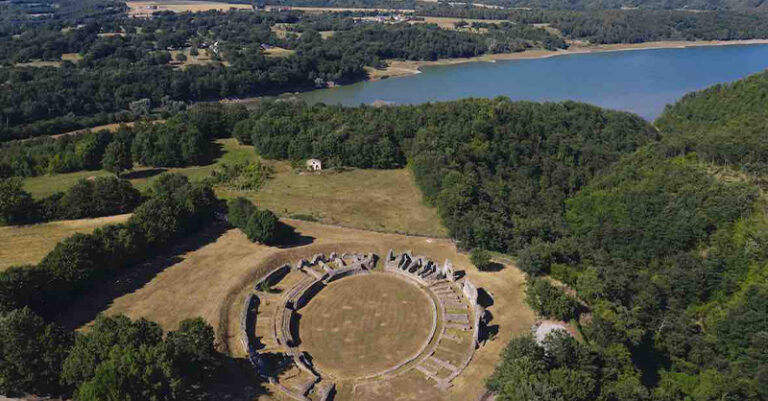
[[273, 277], [308, 294]]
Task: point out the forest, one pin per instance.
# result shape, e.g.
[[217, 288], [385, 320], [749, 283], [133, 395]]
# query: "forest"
[[106, 66]]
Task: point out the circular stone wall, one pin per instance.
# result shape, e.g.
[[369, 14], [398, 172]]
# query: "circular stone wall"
[[365, 324]]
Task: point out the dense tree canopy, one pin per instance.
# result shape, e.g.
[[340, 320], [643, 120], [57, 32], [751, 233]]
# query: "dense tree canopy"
[[667, 249], [725, 124]]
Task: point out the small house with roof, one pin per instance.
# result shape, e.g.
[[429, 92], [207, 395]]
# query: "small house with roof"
[[314, 165]]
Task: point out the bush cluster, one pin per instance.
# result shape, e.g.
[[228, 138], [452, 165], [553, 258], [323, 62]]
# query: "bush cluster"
[[550, 301], [258, 225]]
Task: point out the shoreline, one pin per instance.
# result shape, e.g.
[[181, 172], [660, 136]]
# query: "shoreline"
[[400, 68]]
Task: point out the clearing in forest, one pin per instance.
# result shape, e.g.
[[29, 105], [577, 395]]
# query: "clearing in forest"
[[380, 200]]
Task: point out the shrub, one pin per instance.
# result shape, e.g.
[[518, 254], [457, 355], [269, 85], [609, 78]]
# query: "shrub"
[[262, 227], [535, 259], [550, 301], [16, 205], [246, 176], [104, 196], [481, 258], [240, 209], [172, 144], [258, 225], [117, 158]]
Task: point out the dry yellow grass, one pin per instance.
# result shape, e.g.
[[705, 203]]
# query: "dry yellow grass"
[[278, 52], [339, 9], [29, 244], [380, 200], [73, 57], [449, 22], [363, 325], [212, 281], [39, 64], [146, 8]]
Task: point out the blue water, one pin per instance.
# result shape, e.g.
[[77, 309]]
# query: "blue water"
[[640, 81]]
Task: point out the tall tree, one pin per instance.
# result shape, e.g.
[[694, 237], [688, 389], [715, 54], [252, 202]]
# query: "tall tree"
[[117, 158]]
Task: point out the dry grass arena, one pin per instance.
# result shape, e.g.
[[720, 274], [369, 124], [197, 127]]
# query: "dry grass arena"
[[362, 325], [211, 276]]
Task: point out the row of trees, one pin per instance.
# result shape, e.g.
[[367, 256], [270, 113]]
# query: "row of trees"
[[116, 358], [175, 208], [179, 141], [104, 196]]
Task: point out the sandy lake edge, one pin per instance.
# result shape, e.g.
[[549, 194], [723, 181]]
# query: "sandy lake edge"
[[399, 68]]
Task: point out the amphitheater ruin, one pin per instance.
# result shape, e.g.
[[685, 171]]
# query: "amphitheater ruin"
[[271, 320]]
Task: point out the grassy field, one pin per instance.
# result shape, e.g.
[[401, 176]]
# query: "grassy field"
[[450, 22], [228, 151], [211, 279], [382, 200], [29, 244], [146, 8], [363, 325], [278, 52]]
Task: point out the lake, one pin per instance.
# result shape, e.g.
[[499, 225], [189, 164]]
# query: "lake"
[[640, 81]]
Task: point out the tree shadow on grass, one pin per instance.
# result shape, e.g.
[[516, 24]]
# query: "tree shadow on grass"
[[484, 299], [288, 237], [494, 267], [233, 379], [90, 304], [215, 151], [142, 174]]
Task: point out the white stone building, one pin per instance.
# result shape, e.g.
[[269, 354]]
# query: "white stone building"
[[314, 165]]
